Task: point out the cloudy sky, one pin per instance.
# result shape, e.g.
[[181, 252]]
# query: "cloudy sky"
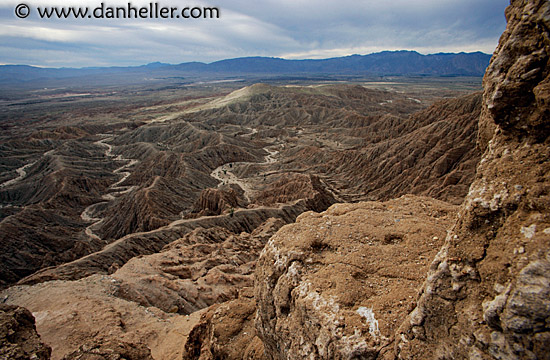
[[292, 29]]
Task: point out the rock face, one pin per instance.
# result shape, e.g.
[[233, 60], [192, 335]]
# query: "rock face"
[[18, 337], [337, 285], [488, 290]]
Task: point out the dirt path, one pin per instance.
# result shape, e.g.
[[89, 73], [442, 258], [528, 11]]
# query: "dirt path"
[[87, 214], [225, 175], [21, 172]]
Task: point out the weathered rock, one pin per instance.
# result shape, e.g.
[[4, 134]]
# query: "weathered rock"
[[516, 84], [488, 290], [336, 285], [226, 331], [217, 201], [18, 337]]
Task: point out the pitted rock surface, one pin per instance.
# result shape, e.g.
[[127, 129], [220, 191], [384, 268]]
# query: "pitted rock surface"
[[336, 285]]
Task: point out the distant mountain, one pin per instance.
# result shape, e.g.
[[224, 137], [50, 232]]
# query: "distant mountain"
[[383, 63], [386, 63]]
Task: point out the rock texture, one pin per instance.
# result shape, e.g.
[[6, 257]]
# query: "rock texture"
[[487, 294], [226, 331], [18, 337], [336, 285]]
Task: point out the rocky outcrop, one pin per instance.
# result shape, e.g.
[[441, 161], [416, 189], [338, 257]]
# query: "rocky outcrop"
[[488, 290], [517, 86], [85, 319], [336, 285], [135, 309], [18, 337], [217, 201], [226, 331]]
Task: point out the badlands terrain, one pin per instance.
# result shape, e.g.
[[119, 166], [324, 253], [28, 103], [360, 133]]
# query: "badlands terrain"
[[115, 203], [91, 181], [397, 218]]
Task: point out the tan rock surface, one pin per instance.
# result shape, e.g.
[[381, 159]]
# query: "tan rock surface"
[[337, 285], [110, 350], [134, 308], [70, 314]]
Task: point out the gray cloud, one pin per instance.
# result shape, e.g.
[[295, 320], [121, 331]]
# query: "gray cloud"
[[282, 28]]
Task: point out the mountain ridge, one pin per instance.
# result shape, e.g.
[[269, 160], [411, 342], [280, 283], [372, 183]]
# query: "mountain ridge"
[[384, 63]]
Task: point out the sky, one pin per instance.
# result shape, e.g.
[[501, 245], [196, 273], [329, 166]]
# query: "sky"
[[291, 29]]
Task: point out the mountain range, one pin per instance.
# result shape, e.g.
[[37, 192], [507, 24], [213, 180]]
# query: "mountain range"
[[386, 63]]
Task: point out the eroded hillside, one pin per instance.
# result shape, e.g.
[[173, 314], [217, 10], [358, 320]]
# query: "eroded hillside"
[[84, 189]]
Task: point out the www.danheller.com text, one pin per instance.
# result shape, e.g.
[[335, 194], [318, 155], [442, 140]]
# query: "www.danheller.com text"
[[103, 11]]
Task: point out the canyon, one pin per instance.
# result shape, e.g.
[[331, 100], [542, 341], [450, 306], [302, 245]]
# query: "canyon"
[[395, 219]]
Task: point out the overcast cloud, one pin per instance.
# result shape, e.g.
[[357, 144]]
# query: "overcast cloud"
[[293, 29]]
